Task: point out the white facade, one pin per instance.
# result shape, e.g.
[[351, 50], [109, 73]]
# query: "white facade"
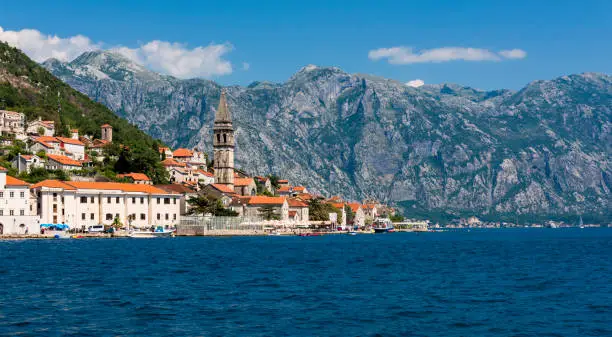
[[12, 122], [17, 212], [25, 163], [47, 126], [83, 204]]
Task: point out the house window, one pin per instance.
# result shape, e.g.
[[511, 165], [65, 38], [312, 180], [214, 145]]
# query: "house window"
[[167, 217], [109, 216], [92, 200], [11, 212], [174, 201], [117, 200], [1, 212], [218, 138], [158, 201], [158, 216], [174, 216], [54, 208], [22, 194], [141, 200], [167, 201], [11, 194], [108, 200], [91, 216], [133, 200], [142, 216], [83, 200], [83, 216], [21, 212], [1, 194], [55, 219]]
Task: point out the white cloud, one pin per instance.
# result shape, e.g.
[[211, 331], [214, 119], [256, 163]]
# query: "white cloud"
[[41, 47], [513, 54], [177, 60], [245, 66], [165, 57], [405, 55], [415, 83]]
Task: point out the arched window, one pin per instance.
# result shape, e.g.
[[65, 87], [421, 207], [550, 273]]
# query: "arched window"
[[218, 138], [224, 138], [109, 216]]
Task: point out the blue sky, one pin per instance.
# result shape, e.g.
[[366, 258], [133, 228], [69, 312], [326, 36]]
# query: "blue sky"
[[237, 42]]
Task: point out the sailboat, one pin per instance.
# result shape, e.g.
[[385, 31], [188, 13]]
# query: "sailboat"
[[581, 224]]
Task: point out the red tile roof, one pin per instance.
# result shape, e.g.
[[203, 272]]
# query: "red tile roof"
[[64, 160], [178, 188], [284, 189], [223, 188], [263, 200], [26, 156], [12, 181], [354, 206], [182, 153], [135, 176], [299, 189], [243, 181], [283, 181], [206, 173], [70, 141], [2, 169], [337, 205], [296, 203], [87, 185], [106, 126], [171, 162]]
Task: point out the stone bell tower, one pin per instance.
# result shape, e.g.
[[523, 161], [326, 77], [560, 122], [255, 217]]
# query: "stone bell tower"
[[223, 144]]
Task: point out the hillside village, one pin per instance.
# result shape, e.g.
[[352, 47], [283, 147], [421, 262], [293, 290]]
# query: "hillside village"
[[49, 180]]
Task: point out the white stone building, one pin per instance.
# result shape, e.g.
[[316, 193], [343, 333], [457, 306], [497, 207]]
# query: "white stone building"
[[48, 127], [83, 204], [12, 122], [25, 162], [57, 162], [256, 203], [17, 209]]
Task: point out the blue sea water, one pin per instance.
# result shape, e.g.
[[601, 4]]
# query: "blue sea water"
[[533, 282]]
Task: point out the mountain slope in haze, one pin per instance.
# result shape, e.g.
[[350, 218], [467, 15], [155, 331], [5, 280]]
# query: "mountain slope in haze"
[[541, 151]]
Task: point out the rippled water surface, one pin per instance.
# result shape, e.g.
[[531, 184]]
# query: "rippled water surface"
[[498, 282]]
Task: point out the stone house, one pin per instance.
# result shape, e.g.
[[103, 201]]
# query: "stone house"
[[13, 123], [245, 186], [298, 210], [48, 127], [25, 162], [58, 162], [265, 182], [279, 204], [359, 215]]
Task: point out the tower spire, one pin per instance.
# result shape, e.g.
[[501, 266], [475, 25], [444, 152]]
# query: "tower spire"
[[223, 113]]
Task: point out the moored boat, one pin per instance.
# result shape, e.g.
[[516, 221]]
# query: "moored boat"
[[159, 232], [383, 225]]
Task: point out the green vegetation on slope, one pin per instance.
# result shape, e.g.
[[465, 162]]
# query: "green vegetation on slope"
[[27, 87]]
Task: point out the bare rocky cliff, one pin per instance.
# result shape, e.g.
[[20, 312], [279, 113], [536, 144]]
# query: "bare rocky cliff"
[[541, 151]]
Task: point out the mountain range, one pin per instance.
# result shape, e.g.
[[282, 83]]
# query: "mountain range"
[[437, 150]]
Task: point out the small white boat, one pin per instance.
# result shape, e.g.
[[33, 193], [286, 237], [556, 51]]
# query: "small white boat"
[[352, 233], [157, 233]]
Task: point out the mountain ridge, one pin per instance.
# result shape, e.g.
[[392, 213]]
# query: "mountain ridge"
[[541, 150]]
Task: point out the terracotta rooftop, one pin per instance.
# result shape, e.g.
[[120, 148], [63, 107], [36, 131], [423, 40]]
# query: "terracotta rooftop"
[[64, 160], [182, 153], [223, 188], [106, 126], [284, 189], [206, 173], [283, 181], [87, 185], [135, 176], [296, 203], [243, 181], [70, 141], [354, 206], [299, 189], [2, 169], [337, 205], [12, 181], [263, 200], [171, 162]]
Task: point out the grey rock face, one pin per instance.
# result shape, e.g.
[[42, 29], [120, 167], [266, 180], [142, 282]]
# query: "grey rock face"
[[542, 150]]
